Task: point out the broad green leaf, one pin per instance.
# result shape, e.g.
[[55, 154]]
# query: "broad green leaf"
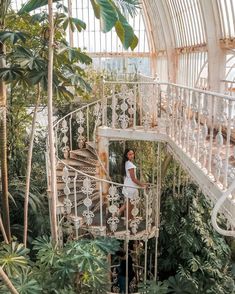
[[129, 39], [120, 30], [13, 37], [96, 8], [33, 4], [28, 58], [39, 17], [10, 74], [134, 43], [72, 22], [79, 24], [108, 15], [38, 76], [74, 54]]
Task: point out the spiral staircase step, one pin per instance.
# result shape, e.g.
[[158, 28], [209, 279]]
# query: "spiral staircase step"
[[72, 162], [86, 159], [91, 146], [83, 153]]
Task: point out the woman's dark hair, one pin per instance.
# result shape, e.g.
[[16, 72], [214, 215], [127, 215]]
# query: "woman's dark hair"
[[124, 159]]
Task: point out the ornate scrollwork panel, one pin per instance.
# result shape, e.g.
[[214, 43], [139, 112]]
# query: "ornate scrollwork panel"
[[87, 189], [113, 197]]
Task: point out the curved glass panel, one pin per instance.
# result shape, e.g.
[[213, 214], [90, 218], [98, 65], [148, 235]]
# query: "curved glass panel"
[[187, 22], [227, 17]]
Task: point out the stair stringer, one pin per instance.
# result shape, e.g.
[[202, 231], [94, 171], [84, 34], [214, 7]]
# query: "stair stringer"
[[207, 185]]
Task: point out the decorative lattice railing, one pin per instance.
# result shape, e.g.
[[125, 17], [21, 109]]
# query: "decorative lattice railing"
[[200, 123], [87, 201]]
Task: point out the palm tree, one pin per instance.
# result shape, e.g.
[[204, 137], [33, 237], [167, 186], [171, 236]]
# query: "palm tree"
[[4, 5]]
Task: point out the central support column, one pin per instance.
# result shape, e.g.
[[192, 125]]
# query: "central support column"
[[103, 153]]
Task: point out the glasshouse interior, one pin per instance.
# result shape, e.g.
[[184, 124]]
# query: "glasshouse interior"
[[117, 146]]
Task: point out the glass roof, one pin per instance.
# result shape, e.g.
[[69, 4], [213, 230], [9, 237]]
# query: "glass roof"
[[191, 33], [92, 39]]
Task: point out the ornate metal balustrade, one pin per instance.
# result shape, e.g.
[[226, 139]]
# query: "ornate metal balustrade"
[[76, 128], [200, 123], [89, 207]]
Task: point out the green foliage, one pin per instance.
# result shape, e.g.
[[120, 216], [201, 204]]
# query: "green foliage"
[[153, 287], [81, 266], [13, 37], [24, 284], [13, 258], [109, 12], [179, 286], [194, 257], [33, 4], [111, 16]]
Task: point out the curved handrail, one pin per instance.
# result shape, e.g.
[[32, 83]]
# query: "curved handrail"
[[198, 90], [76, 110], [216, 209], [149, 185]]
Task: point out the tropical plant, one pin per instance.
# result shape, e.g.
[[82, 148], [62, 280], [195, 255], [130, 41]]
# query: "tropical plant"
[[110, 14], [81, 266], [191, 252], [154, 287], [13, 258]]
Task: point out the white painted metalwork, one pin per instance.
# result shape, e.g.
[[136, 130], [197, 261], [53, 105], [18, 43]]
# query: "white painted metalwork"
[[188, 114]]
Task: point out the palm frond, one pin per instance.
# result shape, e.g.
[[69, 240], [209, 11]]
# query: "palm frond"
[[128, 6]]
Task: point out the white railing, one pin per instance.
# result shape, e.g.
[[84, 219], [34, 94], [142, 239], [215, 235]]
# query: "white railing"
[[200, 122], [131, 105], [76, 128], [83, 204], [197, 121]]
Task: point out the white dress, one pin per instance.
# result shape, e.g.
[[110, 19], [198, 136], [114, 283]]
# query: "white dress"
[[129, 192]]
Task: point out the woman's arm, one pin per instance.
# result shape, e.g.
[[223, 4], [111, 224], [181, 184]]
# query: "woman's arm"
[[133, 178]]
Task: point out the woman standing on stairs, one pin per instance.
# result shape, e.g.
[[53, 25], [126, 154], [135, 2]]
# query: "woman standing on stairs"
[[129, 173]]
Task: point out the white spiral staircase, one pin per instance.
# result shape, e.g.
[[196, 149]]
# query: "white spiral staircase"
[[196, 125]]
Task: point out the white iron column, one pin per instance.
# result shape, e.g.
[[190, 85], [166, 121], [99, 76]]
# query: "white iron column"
[[103, 153], [216, 55]]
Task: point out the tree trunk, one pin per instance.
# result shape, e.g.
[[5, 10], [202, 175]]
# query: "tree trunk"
[[53, 187], [8, 282], [3, 231], [29, 166], [3, 149]]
